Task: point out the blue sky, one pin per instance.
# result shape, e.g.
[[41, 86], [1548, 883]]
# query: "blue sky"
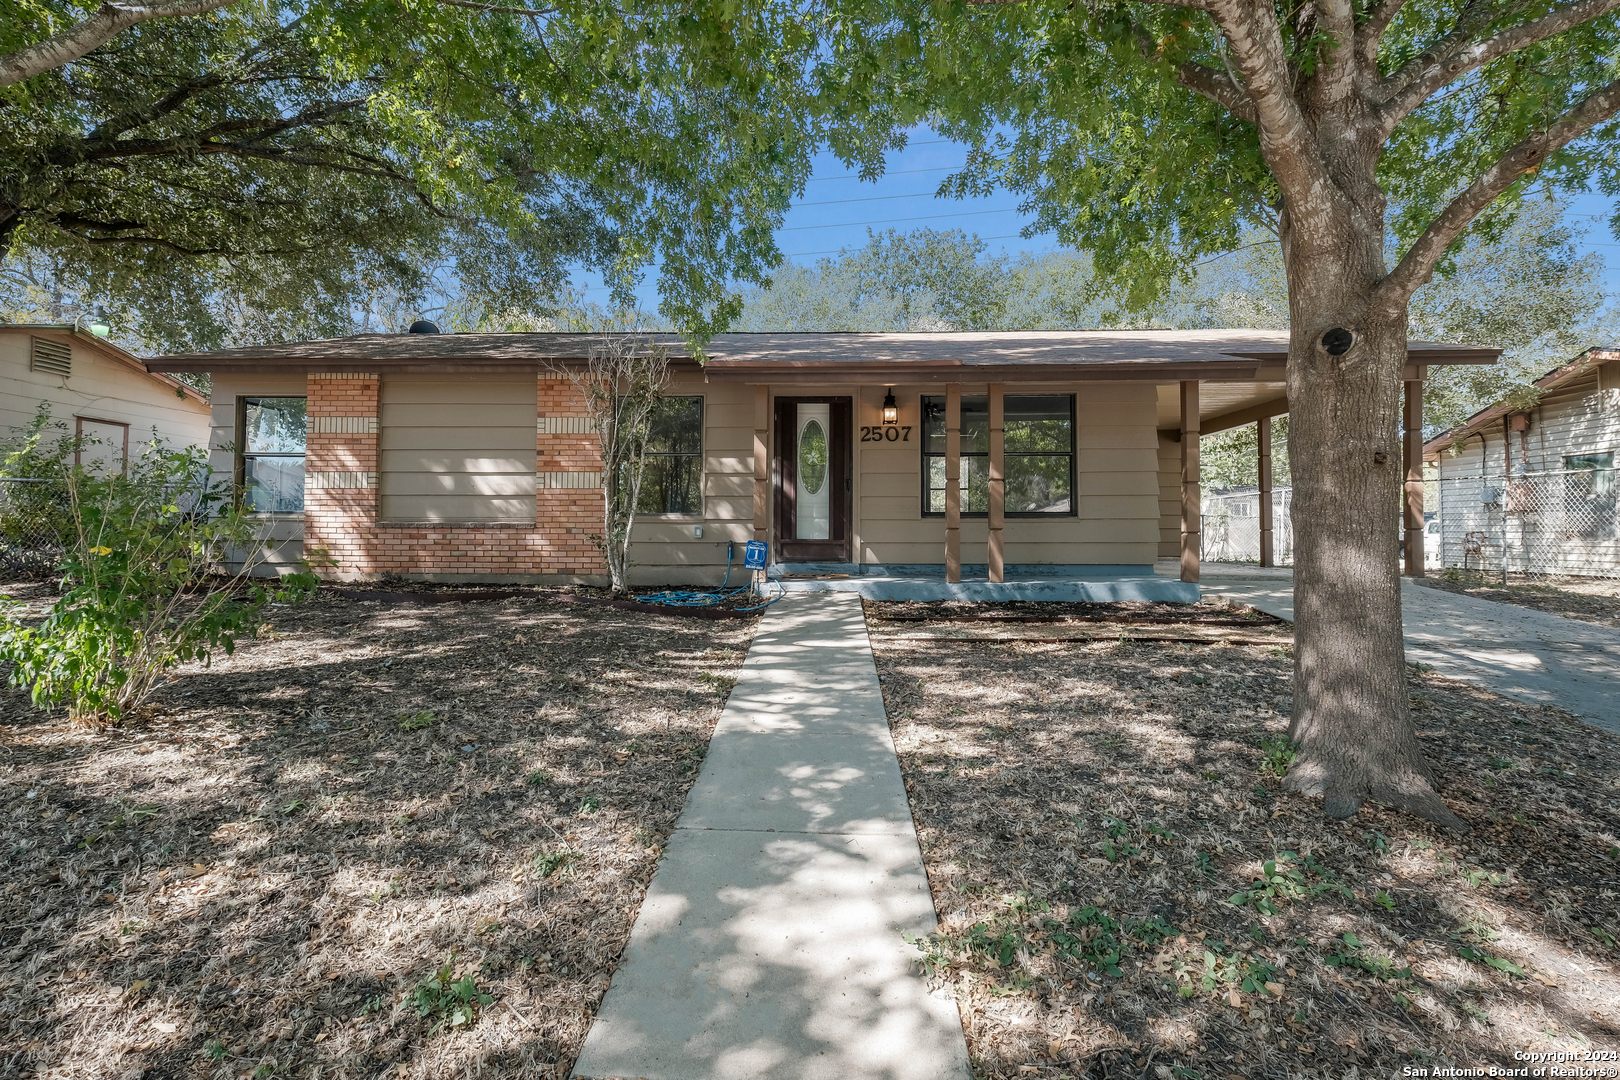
[[837, 209]]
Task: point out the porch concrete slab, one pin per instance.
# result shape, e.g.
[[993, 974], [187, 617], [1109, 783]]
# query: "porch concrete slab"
[[781, 954], [1523, 654], [1146, 587]]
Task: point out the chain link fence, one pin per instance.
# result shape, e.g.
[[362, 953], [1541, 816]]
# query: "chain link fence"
[[33, 514], [1556, 524], [1231, 527]]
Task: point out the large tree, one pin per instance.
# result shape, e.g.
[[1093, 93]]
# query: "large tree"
[[1146, 131], [264, 170]]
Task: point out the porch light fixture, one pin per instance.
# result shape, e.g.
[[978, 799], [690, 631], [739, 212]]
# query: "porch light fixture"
[[891, 411]]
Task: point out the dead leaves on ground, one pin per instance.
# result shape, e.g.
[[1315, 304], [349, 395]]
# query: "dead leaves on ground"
[[1123, 889], [260, 878]]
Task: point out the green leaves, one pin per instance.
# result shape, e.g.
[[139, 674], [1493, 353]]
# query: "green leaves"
[[1477, 956], [1287, 878], [265, 171], [140, 593], [1350, 951], [453, 1002]]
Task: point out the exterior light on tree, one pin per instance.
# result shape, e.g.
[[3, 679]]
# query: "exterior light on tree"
[[891, 411]]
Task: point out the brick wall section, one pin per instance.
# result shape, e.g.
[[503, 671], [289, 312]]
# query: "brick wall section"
[[343, 524], [568, 516]]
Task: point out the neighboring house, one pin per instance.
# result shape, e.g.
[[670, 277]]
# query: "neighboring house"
[[1531, 488], [1232, 525], [96, 389], [467, 457]]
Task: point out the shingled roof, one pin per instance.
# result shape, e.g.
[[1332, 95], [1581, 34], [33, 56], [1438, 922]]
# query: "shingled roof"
[[1114, 354]]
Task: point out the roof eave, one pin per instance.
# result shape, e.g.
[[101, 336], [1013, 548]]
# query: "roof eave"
[[1581, 365]]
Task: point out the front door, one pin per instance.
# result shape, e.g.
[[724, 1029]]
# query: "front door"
[[813, 479]]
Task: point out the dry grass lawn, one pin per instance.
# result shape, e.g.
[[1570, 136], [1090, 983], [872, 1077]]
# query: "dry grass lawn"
[[1124, 892], [259, 877]]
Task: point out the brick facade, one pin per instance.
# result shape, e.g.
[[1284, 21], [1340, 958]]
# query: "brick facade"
[[340, 505]]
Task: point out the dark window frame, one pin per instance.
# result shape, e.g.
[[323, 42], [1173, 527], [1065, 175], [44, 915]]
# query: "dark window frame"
[[702, 498], [1073, 453], [242, 454]]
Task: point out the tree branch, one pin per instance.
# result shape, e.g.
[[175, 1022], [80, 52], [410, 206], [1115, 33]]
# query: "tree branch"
[[1286, 140], [107, 23], [1450, 59], [1221, 87], [1335, 78], [1527, 156], [1370, 36], [145, 114], [498, 9], [1218, 87]]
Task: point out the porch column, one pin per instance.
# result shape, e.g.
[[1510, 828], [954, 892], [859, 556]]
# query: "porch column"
[[762, 462], [1412, 458], [995, 555], [1268, 553], [1191, 494], [953, 482]]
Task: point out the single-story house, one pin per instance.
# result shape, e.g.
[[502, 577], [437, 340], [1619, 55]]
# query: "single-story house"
[[450, 457], [94, 388], [1528, 484]]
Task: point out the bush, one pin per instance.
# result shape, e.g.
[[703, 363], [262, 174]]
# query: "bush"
[[142, 587]]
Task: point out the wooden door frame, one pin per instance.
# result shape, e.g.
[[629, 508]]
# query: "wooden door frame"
[[785, 475]]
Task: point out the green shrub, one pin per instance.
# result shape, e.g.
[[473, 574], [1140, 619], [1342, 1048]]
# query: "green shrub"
[[454, 1002], [1280, 755], [142, 585]]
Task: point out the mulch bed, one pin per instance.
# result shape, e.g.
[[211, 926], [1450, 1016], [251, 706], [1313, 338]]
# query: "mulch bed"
[[255, 878], [1124, 892], [1593, 600]]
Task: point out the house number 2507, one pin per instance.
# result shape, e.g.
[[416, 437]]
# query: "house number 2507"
[[886, 434]]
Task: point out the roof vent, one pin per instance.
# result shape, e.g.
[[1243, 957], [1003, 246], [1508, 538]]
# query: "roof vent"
[[52, 357], [423, 326]]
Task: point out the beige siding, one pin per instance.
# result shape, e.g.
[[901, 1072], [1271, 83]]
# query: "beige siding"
[[1116, 476], [456, 448], [99, 387], [667, 551], [1169, 498]]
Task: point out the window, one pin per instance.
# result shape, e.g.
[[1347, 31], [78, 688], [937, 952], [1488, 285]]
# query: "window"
[[672, 480], [1589, 495], [270, 455], [1037, 454]]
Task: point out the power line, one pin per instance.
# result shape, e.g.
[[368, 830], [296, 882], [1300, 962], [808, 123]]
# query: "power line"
[[888, 221], [835, 251], [864, 198], [897, 172]]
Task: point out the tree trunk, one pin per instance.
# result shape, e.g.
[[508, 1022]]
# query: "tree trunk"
[[1351, 718]]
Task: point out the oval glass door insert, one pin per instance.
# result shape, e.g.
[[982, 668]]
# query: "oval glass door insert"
[[813, 507]]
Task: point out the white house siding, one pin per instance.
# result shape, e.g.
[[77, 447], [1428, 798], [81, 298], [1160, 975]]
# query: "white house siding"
[[1580, 417], [99, 388]]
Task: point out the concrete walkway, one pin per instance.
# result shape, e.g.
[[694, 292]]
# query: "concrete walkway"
[[770, 944], [1524, 654]]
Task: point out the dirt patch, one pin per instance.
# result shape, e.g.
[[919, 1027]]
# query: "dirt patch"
[[258, 877], [1592, 600], [1124, 891]]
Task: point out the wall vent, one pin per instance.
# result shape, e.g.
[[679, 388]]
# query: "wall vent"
[[52, 357]]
